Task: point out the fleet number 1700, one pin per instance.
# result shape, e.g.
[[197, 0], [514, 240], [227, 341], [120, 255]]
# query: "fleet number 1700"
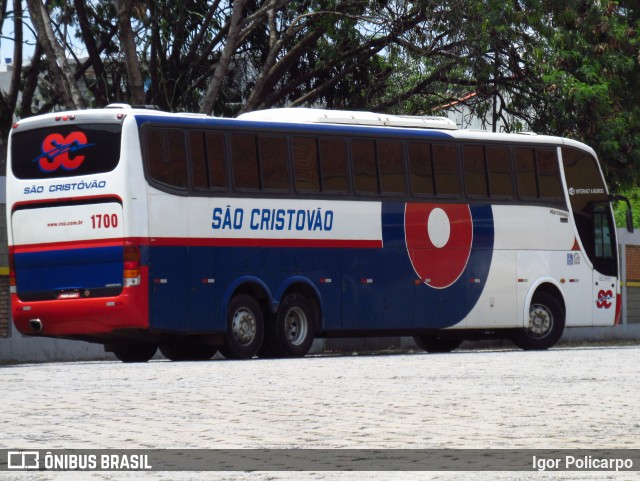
[[104, 221]]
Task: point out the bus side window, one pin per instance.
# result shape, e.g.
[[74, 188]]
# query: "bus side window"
[[244, 160], [274, 165], [305, 164], [216, 160], [475, 171], [420, 169], [445, 162], [602, 233], [526, 173], [548, 174], [391, 167], [208, 169], [333, 163], [199, 170], [365, 175], [500, 172], [166, 156]]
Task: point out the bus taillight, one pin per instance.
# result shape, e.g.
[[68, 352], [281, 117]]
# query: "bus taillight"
[[131, 264], [12, 274], [618, 309]]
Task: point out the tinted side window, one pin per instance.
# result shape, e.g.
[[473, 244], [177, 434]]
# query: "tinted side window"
[[391, 167], [199, 168], [549, 174], [420, 169], [475, 172], [274, 164], [333, 162], [166, 153], [244, 161], [500, 172], [526, 173], [365, 176], [305, 164], [445, 161], [216, 159]]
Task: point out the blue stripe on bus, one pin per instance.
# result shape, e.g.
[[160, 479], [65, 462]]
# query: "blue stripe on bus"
[[52, 270], [307, 128]]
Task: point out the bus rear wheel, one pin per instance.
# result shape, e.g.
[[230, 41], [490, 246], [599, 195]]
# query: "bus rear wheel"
[[245, 328], [291, 332], [437, 344], [134, 351], [187, 350], [545, 325]]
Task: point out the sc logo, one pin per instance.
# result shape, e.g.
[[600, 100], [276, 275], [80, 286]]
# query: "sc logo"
[[56, 149]]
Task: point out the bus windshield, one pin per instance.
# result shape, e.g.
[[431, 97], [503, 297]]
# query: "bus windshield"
[[590, 205], [65, 150]]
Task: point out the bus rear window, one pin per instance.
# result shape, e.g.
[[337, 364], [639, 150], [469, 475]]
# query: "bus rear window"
[[65, 150]]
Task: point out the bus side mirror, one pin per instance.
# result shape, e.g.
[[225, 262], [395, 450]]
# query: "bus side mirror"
[[628, 213]]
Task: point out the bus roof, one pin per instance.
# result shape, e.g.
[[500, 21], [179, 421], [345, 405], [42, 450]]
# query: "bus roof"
[[285, 117], [348, 117]]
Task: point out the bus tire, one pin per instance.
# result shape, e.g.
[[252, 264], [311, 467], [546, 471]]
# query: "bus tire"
[[245, 328], [187, 350], [134, 351], [546, 324], [291, 333], [437, 344]]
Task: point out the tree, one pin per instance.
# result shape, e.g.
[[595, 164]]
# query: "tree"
[[9, 100], [592, 81]]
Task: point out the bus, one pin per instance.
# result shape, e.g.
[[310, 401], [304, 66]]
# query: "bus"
[[144, 230]]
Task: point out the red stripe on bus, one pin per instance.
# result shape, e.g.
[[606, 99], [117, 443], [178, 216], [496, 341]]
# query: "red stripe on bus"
[[242, 242], [68, 245], [200, 242]]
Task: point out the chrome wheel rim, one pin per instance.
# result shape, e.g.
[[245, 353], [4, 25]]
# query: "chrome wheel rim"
[[296, 326], [540, 321], [244, 326]]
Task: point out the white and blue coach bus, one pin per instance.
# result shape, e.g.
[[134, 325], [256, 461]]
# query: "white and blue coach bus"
[[142, 230]]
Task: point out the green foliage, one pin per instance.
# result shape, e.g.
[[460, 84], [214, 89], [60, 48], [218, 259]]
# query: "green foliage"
[[620, 208], [592, 82]]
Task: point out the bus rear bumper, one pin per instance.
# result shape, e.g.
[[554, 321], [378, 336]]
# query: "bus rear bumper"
[[82, 317]]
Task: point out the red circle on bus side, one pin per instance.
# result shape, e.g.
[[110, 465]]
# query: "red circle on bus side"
[[438, 238]]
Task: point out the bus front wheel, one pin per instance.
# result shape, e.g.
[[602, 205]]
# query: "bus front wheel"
[[545, 325], [245, 328]]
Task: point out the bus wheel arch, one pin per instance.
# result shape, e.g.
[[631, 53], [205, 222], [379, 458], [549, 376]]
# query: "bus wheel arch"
[[544, 320], [246, 310], [291, 330]]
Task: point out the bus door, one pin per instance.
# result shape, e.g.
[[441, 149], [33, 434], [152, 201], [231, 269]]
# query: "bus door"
[[604, 274]]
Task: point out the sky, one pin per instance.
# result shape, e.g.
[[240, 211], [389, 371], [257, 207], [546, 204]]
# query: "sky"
[[6, 41]]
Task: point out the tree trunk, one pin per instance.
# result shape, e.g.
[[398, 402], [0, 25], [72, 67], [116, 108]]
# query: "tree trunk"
[[225, 59], [56, 58], [125, 34]]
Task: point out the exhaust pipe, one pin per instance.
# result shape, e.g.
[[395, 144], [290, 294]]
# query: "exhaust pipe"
[[36, 325]]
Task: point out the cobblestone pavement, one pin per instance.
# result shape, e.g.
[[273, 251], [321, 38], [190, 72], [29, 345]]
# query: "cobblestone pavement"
[[563, 398]]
